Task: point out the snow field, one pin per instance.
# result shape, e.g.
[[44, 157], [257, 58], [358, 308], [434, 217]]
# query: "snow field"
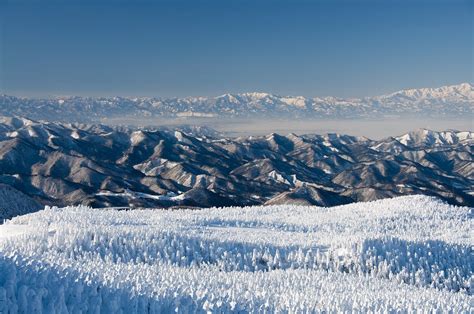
[[401, 254]]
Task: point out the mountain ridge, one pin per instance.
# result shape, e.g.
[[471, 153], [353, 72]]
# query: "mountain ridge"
[[101, 166], [445, 101]]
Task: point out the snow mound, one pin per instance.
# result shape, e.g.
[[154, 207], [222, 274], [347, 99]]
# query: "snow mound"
[[401, 254]]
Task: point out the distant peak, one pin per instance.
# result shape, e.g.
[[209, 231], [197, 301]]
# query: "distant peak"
[[256, 95], [463, 89], [465, 85]]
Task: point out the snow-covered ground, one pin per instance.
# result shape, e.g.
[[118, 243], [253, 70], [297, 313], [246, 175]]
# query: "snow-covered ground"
[[398, 255]]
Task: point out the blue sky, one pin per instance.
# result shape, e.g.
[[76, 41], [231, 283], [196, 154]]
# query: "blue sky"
[[182, 48]]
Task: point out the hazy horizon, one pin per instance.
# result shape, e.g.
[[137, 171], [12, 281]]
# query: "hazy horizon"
[[375, 129]]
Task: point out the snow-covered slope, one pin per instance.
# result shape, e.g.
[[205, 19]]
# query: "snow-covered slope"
[[14, 203], [453, 101], [401, 254]]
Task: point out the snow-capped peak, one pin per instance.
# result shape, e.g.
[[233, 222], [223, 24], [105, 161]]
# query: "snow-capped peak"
[[463, 90], [256, 95], [428, 137]]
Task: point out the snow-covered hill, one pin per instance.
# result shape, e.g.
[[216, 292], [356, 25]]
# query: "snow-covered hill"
[[446, 101], [402, 254]]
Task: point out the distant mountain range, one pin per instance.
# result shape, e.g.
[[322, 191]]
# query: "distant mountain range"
[[447, 101], [61, 164]]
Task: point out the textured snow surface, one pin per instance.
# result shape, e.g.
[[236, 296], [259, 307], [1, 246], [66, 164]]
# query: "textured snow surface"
[[399, 254]]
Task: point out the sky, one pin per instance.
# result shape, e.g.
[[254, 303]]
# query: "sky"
[[211, 47]]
